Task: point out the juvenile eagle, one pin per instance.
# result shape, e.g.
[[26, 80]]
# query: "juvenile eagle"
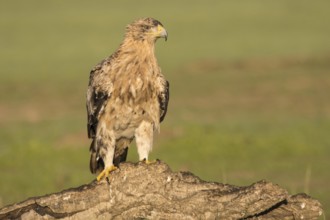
[[127, 97]]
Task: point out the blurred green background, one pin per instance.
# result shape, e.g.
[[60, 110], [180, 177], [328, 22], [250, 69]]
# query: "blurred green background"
[[250, 89]]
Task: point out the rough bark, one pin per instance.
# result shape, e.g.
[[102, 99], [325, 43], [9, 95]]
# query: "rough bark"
[[140, 191]]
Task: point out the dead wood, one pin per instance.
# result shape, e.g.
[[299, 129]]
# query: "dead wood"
[[140, 191]]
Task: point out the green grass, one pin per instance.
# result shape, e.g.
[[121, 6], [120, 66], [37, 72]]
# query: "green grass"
[[249, 91]]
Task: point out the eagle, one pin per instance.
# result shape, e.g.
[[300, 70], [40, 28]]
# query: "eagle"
[[127, 98]]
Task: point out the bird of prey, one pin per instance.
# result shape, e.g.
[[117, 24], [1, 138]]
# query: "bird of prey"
[[127, 98]]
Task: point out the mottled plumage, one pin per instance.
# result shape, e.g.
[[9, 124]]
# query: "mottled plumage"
[[127, 97]]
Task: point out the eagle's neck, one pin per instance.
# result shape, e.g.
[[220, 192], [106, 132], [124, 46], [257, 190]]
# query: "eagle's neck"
[[140, 50]]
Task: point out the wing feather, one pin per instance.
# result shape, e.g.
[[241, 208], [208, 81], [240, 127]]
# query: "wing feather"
[[97, 95], [163, 99]]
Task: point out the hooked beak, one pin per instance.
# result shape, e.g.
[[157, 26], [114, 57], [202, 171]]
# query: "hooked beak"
[[161, 32]]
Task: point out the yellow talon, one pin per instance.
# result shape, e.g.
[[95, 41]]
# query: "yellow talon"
[[149, 162], [106, 172]]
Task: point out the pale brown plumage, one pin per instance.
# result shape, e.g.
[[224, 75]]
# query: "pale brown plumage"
[[127, 97]]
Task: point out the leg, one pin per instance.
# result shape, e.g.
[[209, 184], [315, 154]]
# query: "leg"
[[144, 138], [106, 148]]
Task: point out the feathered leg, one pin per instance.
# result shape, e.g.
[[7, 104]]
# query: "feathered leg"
[[105, 142], [144, 139]]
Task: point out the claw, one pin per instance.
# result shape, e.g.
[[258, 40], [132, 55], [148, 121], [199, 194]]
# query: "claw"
[[106, 172]]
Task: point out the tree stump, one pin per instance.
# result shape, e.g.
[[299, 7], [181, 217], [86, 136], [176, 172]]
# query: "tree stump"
[[141, 191]]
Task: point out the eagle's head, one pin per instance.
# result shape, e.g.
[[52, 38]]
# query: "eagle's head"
[[146, 29]]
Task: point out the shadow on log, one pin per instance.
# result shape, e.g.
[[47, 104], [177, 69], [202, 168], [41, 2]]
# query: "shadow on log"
[[140, 191]]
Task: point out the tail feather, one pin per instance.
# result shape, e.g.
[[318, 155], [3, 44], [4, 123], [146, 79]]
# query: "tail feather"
[[120, 157], [96, 162]]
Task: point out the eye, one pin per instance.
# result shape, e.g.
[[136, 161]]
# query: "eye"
[[146, 27]]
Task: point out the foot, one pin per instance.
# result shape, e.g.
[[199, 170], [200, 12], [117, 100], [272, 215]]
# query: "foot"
[[105, 173]]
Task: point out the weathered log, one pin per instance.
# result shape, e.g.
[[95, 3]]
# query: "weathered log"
[[140, 191]]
